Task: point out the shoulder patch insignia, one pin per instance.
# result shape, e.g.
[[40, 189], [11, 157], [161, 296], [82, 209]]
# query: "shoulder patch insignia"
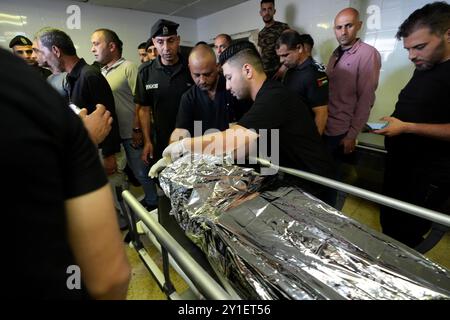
[[322, 81]]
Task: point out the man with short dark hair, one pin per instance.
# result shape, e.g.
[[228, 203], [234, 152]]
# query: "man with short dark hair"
[[305, 76], [308, 42], [418, 132], [267, 38], [208, 102], [142, 52], [85, 86], [121, 75], [23, 48], [274, 108], [152, 52], [159, 87]]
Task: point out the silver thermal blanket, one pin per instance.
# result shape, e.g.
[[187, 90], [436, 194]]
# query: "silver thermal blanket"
[[273, 241]]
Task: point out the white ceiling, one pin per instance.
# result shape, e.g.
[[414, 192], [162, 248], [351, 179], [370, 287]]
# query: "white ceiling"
[[183, 8]]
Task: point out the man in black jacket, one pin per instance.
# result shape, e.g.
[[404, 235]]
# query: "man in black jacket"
[[85, 86]]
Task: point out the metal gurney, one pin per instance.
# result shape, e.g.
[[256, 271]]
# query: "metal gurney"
[[273, 241]]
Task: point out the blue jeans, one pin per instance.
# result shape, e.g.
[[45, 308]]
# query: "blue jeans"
[[140, 170]]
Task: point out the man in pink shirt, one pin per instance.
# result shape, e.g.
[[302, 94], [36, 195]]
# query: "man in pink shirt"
[[353, 72]]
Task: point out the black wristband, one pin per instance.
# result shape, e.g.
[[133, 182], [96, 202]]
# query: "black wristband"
[[137, 130]]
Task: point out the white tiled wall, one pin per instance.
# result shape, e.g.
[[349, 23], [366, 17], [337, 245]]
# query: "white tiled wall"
[[133, 27]]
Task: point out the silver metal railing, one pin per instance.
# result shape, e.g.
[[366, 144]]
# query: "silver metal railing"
[[203, 281], [362, 193]]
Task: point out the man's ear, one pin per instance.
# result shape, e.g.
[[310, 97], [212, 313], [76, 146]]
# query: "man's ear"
[[56, 51], [247, 71], [447, 35], [360, 25]]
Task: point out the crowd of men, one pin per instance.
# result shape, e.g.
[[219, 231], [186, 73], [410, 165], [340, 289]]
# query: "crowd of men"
[[147, 114]]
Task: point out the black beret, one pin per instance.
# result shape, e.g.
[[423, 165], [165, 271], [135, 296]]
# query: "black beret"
[[164, 28], [20, 41]]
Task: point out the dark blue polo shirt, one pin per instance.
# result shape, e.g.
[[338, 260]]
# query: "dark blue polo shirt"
[[310, 82]]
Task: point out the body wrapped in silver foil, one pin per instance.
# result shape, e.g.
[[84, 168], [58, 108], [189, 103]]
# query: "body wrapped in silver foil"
[[276, 242]]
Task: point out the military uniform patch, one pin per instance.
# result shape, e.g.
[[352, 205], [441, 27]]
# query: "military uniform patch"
[[322, 81]]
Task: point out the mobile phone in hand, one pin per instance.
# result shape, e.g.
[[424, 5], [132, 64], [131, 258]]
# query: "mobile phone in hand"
[[376, 125]]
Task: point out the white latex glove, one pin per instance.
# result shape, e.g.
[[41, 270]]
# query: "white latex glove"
[[176, 150], [158, 167]]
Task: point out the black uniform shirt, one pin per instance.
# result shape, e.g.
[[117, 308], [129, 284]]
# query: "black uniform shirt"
[[196, 105], [310, 82], [300, 145], [161, 88], [88, 87]]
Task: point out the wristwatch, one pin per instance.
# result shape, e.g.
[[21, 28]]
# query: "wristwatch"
[[137, 130]]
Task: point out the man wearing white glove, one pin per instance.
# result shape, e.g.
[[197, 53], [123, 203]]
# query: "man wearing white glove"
[[275, 110], [159, 166]]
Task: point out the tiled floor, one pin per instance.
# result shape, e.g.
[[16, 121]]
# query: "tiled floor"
[[142, 285]]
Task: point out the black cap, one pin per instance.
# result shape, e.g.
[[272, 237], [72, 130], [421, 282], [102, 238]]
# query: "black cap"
[[164, 28], [20, 41], [148, 44]]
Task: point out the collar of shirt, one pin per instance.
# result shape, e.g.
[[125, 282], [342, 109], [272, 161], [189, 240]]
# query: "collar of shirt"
[[309, 61], [352, 50], [105, 70], [177, 67], [76, 71]]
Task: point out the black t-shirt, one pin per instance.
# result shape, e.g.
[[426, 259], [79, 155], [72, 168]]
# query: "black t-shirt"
[[425, 99], [196, 105], [310, 82], [48, 158], [161, 89], [88, 87], [300, 145]]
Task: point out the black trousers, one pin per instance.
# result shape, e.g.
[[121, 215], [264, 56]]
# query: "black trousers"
[[417, 185]]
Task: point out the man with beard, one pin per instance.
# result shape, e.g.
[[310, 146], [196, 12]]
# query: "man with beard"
[[418, 132], [85, 86], [208, 102], [22, 47], [267, 38], [275, 109]]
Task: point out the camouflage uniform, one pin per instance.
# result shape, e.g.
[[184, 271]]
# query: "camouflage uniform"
[[266, 41]]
